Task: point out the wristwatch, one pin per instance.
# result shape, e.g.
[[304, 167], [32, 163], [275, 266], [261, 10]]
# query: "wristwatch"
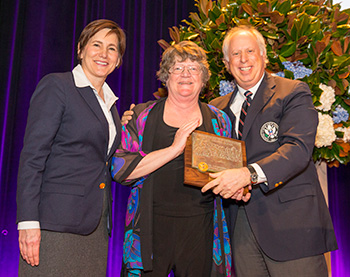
[[253, 175]]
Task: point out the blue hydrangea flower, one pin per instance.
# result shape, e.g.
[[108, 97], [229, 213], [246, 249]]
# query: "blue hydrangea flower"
[[340, 114], [298, 69], [281, 74], [226, 87]]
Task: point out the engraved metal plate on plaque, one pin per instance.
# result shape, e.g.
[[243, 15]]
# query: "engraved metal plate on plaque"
[[217, 153]]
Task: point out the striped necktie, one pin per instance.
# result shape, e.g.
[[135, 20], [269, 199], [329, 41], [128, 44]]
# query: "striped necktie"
[[244, 111]]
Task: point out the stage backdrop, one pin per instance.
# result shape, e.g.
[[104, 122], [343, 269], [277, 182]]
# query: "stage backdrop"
[[39, 37]]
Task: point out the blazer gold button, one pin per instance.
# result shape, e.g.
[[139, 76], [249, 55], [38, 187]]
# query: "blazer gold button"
[[106, 163], [102, 185], [276, 185]]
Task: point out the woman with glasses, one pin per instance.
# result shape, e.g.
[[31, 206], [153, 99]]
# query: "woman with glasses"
[[171, 226]]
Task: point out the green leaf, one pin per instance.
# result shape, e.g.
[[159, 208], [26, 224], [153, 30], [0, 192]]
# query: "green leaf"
[[190, 36], [341, 61], [215, 44], [284, 7], [288, 50]]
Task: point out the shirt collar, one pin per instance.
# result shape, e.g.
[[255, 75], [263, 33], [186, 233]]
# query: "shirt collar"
[[253, 89], [82, 81]]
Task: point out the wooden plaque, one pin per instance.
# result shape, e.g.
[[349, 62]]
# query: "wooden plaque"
[[205, 152]]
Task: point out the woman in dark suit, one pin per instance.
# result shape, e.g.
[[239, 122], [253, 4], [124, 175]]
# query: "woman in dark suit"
[[63, 191]]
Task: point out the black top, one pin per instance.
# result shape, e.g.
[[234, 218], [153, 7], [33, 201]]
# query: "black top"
[[170, 195]]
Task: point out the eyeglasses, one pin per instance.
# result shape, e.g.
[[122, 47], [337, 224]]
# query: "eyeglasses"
[[179, 69]]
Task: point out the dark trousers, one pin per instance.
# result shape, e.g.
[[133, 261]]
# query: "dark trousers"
[[251, 261], [182, 244]]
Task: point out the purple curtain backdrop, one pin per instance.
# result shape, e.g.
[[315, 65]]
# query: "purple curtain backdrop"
[[39, 37]]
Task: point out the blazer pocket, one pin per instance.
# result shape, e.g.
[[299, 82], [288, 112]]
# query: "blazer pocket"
[[74, 189], [289, 193], [62, 205]]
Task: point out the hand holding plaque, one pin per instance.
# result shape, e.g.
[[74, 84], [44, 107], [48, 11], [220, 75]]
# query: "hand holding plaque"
[[205, 153]]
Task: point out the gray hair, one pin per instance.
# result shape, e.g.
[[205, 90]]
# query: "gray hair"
[[259, 38], [182, 51]]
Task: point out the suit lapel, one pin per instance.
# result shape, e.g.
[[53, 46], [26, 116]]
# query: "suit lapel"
[[90, 98], [118, 127], [263, 95], [228, 111]]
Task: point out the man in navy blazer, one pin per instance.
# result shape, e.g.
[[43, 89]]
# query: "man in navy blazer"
[[283, 226]]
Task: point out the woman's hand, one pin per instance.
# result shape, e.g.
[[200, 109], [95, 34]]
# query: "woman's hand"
[[182, 134], [29, 245], [127, 115], [158, 158]]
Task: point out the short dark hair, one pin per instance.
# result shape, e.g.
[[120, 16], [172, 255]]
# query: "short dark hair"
[[94, 27]]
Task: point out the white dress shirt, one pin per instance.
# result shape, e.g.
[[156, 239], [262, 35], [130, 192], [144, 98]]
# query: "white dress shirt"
[[236, 107]]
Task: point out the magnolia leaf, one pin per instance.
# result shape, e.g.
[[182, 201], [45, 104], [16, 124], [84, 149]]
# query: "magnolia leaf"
[[341, 17], [346, 45], [289, 50], [332, 83], [344, 75], [320, 46], [190, 36], [195, 17], [247, 8], [336, 48], [344, 26], [294, 30], [333, 163], [337, 91], [302, 40], [203, 4], [276, 17], [221, 19], [342, 61], [288, 74], [291, 18], [263, 8], [223, 3], [215, 44], [347, 101], [311, 9], [174, 34], [345, 83], [345, 148], [162, 43], [285, 7], [299, 57], [334, 26]]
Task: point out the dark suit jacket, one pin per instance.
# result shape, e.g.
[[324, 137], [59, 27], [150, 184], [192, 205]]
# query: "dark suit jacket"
[[64, 160], [289, 217]]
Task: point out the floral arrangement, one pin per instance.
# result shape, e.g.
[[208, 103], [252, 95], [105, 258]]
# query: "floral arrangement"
[[307, 40]]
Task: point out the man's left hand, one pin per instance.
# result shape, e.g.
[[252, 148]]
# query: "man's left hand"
[[230, 183]]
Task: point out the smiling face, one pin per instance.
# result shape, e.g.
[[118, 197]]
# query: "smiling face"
[[100, 56], [246, 60], [185, 84]]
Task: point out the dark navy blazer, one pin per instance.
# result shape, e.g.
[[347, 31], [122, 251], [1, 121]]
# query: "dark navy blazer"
[[64, 168], [289, 217]]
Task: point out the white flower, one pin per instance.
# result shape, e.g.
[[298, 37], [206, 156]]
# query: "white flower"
[[325, 132], [327, 98], [346, 131]]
